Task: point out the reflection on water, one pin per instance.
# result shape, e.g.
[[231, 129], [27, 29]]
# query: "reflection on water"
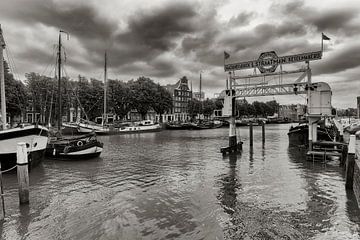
[[177, 185], [230, 184]]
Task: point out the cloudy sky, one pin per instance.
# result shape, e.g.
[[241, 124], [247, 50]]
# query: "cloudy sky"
[[168, 39]]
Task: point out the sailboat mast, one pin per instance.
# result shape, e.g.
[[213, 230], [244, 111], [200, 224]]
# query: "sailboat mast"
[[2, 80], [105, 89], [59, 84], [200, 87]]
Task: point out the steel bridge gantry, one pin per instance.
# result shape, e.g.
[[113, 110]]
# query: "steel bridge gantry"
[[299, 86]]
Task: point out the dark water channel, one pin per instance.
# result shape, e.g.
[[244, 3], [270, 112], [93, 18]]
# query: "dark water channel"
[[176, 185]]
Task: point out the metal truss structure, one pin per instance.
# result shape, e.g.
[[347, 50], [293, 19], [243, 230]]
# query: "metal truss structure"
[[265, 89]]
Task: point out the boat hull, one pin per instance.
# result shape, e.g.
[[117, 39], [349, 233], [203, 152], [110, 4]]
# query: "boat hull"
[[9, 160], [120, 130], [36, 139], [70, 129], [299, 135], [82, 147]]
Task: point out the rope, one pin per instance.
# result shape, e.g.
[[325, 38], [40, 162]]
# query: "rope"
[[8, 170]]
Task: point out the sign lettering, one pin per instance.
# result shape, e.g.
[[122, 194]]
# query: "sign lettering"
[[268, 61]]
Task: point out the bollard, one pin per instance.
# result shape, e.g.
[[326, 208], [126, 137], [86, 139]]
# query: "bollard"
[[2, 202], [22, 173], [350, 164], [263, 131], [251, 133]]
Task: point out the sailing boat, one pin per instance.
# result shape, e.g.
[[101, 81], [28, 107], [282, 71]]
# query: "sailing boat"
[[79, 147], [85, 126], [34, 136], [105, 128]]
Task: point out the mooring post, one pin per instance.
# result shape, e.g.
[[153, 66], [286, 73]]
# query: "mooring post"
[[22, 173], [263, 131], [2, 202], [350, 163], [344, 152], [310, 130], [232, 132], [251, 133]]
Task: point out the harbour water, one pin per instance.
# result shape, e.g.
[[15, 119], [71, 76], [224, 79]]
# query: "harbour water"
[[177, 185]]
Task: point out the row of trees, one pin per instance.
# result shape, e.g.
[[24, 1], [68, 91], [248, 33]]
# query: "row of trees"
[[41, 92], [243, 108], [257, 109]]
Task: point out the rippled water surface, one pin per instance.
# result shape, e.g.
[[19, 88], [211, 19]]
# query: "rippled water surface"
[[176, 185]]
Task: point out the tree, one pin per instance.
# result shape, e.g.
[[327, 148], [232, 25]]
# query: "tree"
[[273, 107], [208, 107], [242, 107], [142, 94], [162, 101], [119, 99], [194, 107], [219, 104], [15, 93], [91, 97]]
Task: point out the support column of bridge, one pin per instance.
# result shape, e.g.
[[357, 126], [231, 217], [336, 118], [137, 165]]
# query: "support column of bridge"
[[229, 111]]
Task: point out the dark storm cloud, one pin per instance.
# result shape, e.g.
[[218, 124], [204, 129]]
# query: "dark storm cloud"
[[148, 34], [37, 55], [241, 19], [157, 69], [157, 29], [151, 34], [199, 41], [267, 37], [334, 20], [341, 60], [80, 20]]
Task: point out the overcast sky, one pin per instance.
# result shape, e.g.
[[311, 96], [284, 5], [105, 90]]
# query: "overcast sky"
[[165, 40]]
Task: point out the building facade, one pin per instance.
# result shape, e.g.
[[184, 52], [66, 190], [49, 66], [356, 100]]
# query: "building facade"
[[292, 112], [181, 95]]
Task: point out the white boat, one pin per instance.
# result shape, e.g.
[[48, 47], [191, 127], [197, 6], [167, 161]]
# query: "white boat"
[[85, 126], [353, 127], [136, 127], [34, 136], [142, 126]]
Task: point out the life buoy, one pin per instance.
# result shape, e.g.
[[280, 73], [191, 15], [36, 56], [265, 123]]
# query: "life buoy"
[[66, 149], [79, 143]]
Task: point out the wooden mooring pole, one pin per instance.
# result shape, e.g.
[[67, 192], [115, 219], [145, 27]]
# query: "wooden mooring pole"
[[2, 202], [350, 163], [251, 134], [22, 173], [263, 131]]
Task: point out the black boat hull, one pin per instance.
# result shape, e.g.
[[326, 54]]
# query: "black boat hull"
[[82, 147], [299, 135]]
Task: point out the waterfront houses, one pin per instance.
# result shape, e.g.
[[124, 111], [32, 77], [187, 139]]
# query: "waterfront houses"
[[181, 95]]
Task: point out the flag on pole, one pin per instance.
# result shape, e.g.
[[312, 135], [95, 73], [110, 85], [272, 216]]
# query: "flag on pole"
[[324, 37], [226, 55]]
